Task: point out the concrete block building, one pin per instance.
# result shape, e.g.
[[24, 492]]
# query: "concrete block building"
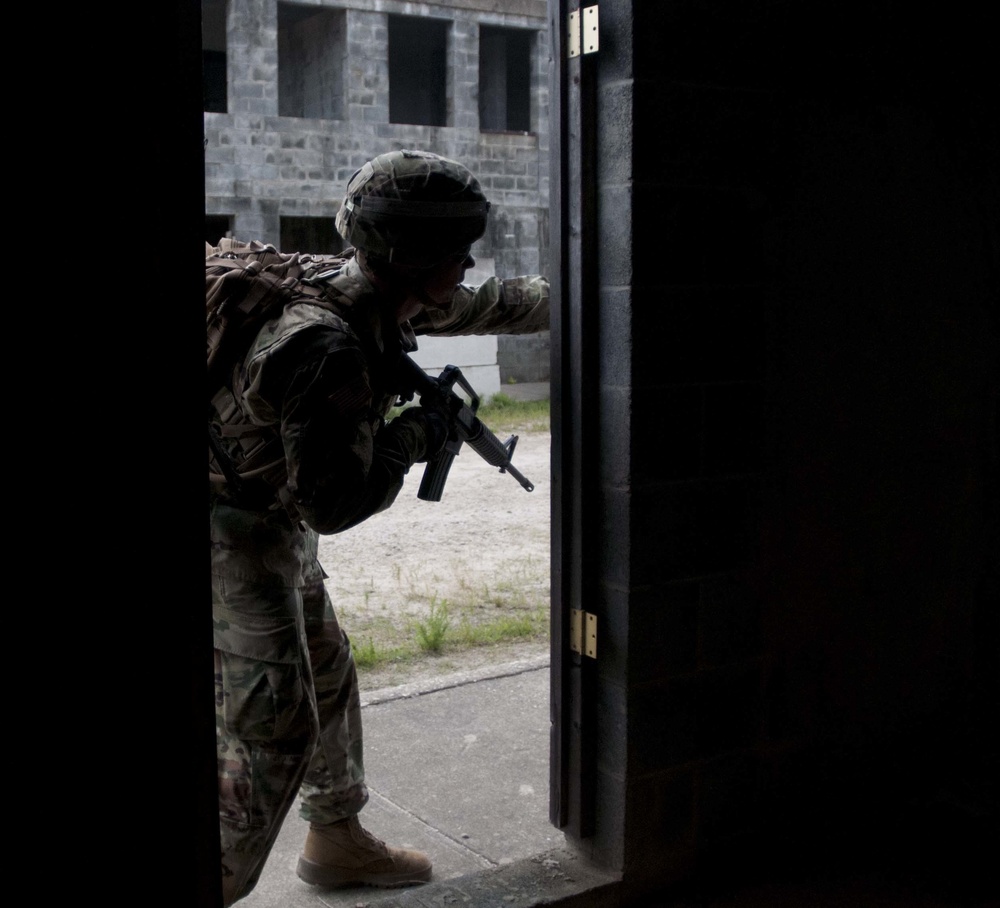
[[299, 95]]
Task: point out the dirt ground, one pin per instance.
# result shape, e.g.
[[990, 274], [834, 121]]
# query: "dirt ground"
[[477, 558]]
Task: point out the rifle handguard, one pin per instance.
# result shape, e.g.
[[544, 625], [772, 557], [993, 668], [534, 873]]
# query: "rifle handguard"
[[497, 453]]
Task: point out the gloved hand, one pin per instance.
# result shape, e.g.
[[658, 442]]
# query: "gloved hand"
[[432, 425]]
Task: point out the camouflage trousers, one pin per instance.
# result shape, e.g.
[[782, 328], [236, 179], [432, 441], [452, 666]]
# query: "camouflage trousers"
[[288, 716]]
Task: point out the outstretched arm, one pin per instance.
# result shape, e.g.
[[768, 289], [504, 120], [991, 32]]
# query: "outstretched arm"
[[518, 305]]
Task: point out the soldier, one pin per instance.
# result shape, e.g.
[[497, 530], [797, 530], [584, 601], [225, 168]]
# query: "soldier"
[[311, 402]]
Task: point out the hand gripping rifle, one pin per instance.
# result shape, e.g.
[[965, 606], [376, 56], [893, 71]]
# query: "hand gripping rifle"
[[463, 426]]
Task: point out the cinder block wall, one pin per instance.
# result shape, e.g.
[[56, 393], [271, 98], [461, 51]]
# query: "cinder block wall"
[[260, 166], [798, 360]]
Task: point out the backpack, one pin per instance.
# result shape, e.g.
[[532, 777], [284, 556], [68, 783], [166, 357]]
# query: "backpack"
[[245, 285], [248, 283]]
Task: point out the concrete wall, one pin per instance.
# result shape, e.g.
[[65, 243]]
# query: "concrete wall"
[[798, 366]]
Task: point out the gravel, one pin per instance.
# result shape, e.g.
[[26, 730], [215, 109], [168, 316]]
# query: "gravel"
[[481, 554]]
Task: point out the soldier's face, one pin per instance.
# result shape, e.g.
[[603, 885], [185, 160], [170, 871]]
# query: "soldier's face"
[[443, 278]]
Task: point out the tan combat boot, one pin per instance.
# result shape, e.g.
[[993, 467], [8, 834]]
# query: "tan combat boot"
[[344, 853]]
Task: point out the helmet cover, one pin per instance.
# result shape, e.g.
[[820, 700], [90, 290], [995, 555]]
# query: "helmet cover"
[[413, 208]]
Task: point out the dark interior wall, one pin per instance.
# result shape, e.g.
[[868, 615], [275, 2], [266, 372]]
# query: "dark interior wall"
[[798, 329], [878, 428], [169, 327]]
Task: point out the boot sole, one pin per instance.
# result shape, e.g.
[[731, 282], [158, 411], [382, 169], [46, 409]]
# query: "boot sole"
[[324, 875]]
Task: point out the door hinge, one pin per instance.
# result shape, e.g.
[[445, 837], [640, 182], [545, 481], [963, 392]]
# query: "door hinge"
[[583, 33], [583, 632]]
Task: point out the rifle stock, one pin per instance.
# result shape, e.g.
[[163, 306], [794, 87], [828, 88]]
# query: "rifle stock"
[[464, 427]]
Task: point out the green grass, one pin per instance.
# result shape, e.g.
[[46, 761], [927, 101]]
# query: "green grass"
[[502, 413], [438, 634], [432, 631], [501, 630], [369, 655]]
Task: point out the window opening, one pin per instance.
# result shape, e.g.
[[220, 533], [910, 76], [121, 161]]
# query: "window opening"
[[216, 227], [214, 79], [505, 79], [310, 234], [311, 62], [418, 65]]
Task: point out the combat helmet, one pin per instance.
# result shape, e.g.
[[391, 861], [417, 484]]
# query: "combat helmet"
[[413, 208]]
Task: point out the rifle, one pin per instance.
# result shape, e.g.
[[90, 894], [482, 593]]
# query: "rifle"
[[463, 426]]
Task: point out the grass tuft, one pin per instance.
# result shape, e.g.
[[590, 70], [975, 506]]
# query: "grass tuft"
[[432, 631], [369, 655]]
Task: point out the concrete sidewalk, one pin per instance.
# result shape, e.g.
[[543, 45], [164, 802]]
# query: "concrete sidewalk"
[[458, 769]]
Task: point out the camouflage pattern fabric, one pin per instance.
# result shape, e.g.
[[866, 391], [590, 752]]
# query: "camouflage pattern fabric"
[[285, 678], [266, 719], [287, 705], [518, 305], [316, 387], [334, 785], [413, 208], [286, 686]]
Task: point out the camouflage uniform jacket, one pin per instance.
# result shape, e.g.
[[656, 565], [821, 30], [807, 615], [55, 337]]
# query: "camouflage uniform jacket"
[[306, 416]]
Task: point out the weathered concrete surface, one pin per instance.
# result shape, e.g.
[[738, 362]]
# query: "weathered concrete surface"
[[458, 768]]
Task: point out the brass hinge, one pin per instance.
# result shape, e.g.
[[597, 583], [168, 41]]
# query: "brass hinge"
[[582, 37], [583, 632]]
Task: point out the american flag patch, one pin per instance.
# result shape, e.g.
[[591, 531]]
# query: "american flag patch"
[[352, 399]]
